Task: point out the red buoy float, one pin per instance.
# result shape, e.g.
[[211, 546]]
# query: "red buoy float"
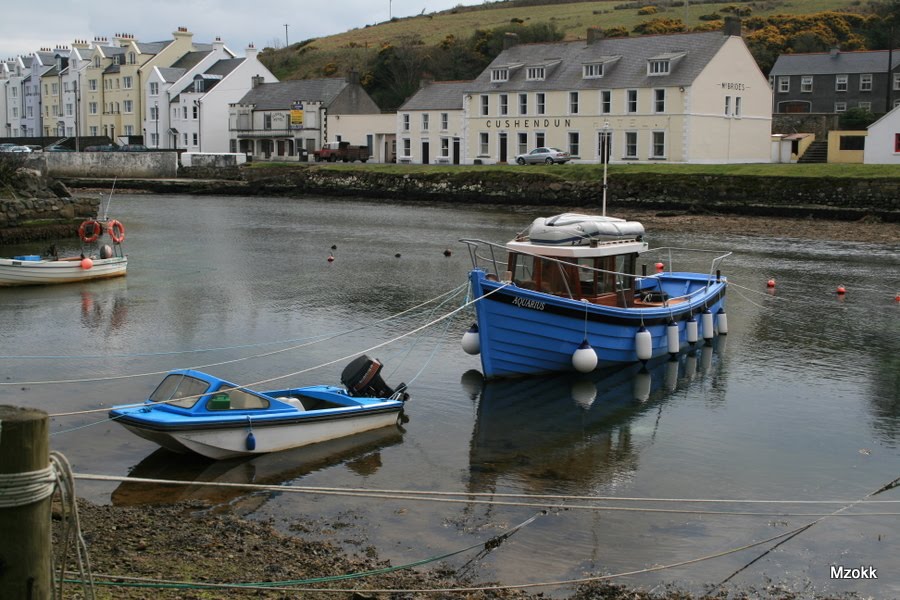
[[770, 283], [86, 263], [660, 267], [841, 289]]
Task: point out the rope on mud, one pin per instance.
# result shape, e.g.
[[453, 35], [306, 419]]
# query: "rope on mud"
[[236, 360], [70, 529], [487, 546], [308, 369], [429, 497], [278, 586]]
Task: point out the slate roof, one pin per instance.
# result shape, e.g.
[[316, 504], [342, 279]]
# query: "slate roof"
[[629, 71], [170, 74], [191, 59], [153, 47], [280, 96], [224, 67], [438, 95], [830, 63]]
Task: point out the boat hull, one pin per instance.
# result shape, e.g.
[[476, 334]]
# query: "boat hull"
[[525, 332], [231, 440], [43, 272]]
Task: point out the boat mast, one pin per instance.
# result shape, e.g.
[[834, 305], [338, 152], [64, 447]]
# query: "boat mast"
[[605, 156]]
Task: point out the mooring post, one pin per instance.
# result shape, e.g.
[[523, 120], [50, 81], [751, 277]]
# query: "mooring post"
[[25, 501]]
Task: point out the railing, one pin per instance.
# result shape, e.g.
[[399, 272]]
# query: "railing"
[[492, 265], [253, 133]]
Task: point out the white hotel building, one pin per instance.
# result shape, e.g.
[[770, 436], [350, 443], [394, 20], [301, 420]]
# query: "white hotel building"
[[683, 98]]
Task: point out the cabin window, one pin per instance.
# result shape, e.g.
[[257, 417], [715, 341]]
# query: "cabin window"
[[522, 268], [179, 390], [235, 399]]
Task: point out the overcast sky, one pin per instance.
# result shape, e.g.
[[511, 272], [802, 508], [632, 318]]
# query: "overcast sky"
[[27, 27]]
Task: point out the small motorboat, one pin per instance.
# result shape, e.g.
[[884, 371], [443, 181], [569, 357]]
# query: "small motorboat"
[[192, 411], [97, 259], [573, 293]]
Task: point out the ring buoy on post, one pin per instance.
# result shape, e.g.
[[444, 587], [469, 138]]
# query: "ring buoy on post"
[[116, 231], [89, 231]]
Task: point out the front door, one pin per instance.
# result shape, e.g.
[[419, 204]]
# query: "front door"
[[604, 146], [455, 151], [425, 158], [503, 152]]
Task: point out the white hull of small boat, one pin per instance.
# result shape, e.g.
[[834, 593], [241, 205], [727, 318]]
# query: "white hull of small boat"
[[15, 272], [231, 442], [573, 229]]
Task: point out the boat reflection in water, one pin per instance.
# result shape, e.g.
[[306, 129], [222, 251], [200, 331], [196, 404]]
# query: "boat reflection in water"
[[571, 432], [360, 453]]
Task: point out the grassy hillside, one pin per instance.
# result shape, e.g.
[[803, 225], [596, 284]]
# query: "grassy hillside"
[[336, 54]]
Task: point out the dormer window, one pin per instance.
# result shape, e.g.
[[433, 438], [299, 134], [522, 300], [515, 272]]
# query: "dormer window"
[[658, 67], [132, 58], [96, 62], [592, 71], [535, 74], [498, 75]]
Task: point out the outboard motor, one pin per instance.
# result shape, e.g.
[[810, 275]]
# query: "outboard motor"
[[361, 378]]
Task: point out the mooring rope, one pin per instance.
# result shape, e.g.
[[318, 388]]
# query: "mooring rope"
[[236, 360], [313, 368], [70, 528], [22, 489]]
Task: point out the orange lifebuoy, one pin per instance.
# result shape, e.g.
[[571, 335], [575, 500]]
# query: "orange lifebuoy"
[[116, 231], [89, 231]]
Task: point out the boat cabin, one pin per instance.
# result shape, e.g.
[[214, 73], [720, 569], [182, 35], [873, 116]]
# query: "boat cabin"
[[601, 273]]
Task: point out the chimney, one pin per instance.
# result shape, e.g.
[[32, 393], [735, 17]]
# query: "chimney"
[[353, 77], [834, 52], [425, 82], [594, 35], [218, 45], [256, 81], [509, 40], [732, 26], [251, 51]]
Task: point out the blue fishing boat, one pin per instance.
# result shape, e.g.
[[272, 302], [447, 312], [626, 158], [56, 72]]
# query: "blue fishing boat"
[[191, 411], [578, 292]]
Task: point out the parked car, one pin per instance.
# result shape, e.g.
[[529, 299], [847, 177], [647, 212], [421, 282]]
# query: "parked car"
[[6, 147], [134, 148], [17, 149], [543, 155], [56, 148], [102, 148]]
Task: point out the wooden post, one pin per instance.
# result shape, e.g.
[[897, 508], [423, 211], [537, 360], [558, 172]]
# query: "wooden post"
[[25, 543]]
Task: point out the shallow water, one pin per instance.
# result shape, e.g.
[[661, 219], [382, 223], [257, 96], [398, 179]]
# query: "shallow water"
[[801, 400]]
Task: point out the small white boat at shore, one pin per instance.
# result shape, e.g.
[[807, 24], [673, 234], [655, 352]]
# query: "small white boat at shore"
[[96, 260]]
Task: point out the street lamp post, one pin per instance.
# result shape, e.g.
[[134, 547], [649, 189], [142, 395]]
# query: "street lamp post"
[[156, 107]]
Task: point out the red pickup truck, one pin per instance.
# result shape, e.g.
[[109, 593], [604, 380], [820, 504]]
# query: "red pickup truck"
[[341, 151]]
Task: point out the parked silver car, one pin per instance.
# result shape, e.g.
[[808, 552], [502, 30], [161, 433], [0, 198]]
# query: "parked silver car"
[[23, 149], [543, 155]]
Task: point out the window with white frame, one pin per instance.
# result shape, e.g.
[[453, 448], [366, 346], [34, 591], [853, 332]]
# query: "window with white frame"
[[540, 103], [573, 103], [574, 143], [483, 144], [865, 106], [522, 143], [184, 116], [659, 100], [737, 106], [658, 67], [54, 89], [424, 121], [127, 82], [154, 140], [70, 110], [605, 102], [407, 147], [727, 106], [592, 71], [523, 104], [15, 92], [484, 105], [92, 85], [154, 113], [185, 139], [806, 84], [15, 112], [267, 120], [658, 145], [445, 147], [631, 101], [94, 130], [840, 83], [405, 119], [504, 104], [784, 84], [501, 74], [129, 130], [865, 82], [534, 74], [539, 139], [154, 88], [445, 121], [195, 137], [92, 108], [631, 144], [132, 58], [128, 105], [840, 107], [896, 85]]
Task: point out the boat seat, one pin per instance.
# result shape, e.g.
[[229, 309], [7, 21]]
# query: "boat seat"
[[293, 402]]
